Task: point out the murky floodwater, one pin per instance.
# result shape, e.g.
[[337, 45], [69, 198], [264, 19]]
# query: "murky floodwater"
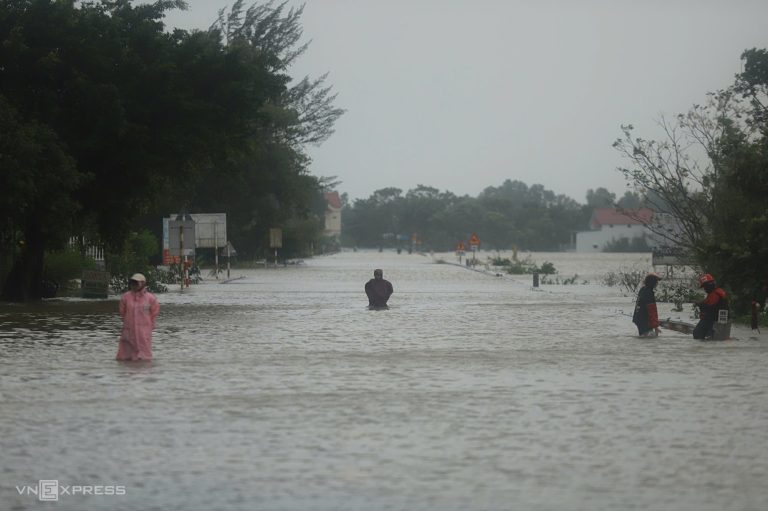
[[281, 391]]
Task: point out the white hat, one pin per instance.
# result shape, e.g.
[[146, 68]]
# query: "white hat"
[[138, 277]]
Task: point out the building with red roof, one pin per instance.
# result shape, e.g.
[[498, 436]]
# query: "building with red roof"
[[609, 225], [332, 214]]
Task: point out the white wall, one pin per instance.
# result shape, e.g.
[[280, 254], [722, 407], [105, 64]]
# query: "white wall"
[[332, 222], [595, 241]]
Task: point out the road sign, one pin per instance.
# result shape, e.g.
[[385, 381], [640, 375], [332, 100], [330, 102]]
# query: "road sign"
[[181, 233], [275, 238], [460, 247], [474, 240], [95, 284]]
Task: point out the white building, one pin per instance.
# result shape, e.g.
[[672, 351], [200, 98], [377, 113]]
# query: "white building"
[[333, 214], [609, 225]]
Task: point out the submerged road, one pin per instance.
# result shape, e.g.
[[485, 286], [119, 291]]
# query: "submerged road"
[[281, 391]]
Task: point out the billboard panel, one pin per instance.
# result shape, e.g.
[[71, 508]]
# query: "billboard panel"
[[210, 229]]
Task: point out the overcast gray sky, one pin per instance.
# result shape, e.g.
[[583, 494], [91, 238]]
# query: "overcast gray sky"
[[463, 94]]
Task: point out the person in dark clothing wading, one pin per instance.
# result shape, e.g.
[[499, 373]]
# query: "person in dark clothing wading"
[[710, 307], [646, 316], [378, 291]]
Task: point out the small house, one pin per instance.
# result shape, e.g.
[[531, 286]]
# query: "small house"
[[609, 225], [333, 214]]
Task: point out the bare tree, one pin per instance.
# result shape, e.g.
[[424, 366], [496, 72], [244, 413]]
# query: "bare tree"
[[679, 175]]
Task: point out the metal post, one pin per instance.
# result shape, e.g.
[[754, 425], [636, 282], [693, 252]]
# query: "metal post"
[[216, 250], [228, 257], [181, 253]]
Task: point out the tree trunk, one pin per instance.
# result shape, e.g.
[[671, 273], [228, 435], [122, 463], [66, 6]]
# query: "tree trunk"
[[25, 280]]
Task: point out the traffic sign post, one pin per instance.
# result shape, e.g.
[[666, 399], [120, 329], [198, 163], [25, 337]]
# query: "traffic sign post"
[[460, 250], [182, 245], [275, 241], [474, 242]]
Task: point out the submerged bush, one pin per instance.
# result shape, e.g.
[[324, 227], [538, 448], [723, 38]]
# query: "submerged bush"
[[677, 292], [64, 265], [569, 281], [629, 279], [527, 267], [156, 280]]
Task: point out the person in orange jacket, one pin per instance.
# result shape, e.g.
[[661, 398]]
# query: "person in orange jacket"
[[710, 307], [646, 316]]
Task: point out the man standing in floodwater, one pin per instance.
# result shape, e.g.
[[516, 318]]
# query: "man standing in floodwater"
[[710, 307], [646, 316], [378, 291], [139, 309]]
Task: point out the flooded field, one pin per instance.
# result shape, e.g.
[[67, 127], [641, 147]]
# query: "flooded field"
[[281, 391]]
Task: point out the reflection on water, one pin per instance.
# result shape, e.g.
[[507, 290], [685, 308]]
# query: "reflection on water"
[[282, 391]]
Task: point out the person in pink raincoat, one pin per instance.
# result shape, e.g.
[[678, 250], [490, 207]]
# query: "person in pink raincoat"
[[139, 309]]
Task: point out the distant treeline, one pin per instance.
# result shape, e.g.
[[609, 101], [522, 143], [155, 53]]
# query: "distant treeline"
[[511, 215]]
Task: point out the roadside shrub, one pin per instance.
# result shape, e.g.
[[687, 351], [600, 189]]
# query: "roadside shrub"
[[527, 266], [677, 292], [547, 268], [629, 279], [569, 281], [64, 265], [636, 244], [156, 280], [134, 258]]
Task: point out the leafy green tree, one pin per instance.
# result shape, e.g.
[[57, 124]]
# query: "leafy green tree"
[[715, 206], [738, 248], [600, 198], [37, 179], [138, 122], [630, 200], [265, 183]]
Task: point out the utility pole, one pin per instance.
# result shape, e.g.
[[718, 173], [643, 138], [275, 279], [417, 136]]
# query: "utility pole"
[[182, 257], [216, 250]]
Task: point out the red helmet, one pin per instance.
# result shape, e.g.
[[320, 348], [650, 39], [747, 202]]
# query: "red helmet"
[[705, 279]]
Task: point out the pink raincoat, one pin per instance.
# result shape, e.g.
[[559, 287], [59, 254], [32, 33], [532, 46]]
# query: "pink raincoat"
[[138, 310]]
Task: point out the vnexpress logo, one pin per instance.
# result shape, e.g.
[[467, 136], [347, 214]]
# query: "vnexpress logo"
[[51, 490], [46, 490]]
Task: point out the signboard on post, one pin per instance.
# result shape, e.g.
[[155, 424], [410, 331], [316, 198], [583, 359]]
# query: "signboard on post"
[[210, 233], [210, 230], [460, 250], [181, 235], [275, 238], [474, 242], [95, 284], [275, 241], [181, 238]]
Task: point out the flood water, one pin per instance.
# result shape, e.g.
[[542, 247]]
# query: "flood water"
[[280, 391]]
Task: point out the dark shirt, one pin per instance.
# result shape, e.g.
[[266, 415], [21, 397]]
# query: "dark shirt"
[[710, 307], [378, 291], [646, 316]]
